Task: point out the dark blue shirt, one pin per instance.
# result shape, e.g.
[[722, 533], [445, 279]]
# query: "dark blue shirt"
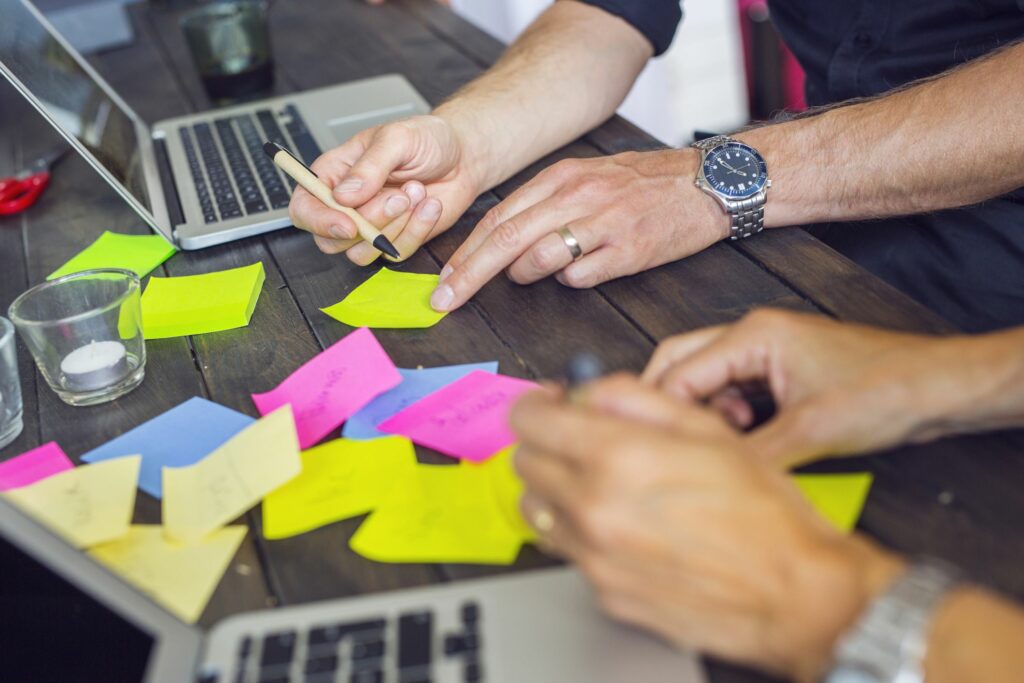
[[859, 48]]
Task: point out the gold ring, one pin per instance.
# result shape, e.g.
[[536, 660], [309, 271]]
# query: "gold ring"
[[544, 520], [571, 243]]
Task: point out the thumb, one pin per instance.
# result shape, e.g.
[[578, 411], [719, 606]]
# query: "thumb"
[[387, 151], [796, 435]]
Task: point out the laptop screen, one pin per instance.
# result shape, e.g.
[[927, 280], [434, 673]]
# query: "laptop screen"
[[70, 95], [51, 630]]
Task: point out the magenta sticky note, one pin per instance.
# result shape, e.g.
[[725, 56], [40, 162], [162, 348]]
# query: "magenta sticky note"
[[327, 390], [467, 419], [31, 466]]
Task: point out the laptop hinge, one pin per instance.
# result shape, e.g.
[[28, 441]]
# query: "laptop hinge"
[[163, 165]]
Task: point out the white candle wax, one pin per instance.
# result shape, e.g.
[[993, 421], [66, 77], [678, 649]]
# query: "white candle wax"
[[95, 366]]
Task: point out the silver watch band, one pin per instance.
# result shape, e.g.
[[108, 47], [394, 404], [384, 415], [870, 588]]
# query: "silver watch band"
[[747, 215]]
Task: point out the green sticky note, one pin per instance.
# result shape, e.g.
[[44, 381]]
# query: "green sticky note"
[[340, 479], [389, 299], [439, 513], [197, 304], [137, 253], [839, 498]]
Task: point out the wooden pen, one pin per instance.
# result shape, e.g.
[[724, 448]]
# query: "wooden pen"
[[310, 181]]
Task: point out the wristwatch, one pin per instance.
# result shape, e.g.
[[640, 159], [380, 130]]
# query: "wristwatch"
[[736, 175], [888, 644]]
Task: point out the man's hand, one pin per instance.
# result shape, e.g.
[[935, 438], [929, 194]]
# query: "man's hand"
[[682, 533], [840, 389], [407, 177], [629, 212]]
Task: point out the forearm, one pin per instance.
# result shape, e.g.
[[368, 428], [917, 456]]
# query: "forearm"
[[945, 142], [566, 74]]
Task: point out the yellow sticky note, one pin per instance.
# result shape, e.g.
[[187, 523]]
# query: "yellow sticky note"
[[439, 514], [389, 299], [86, 505], [507, 488], [839, 498], [140, 254], [180, 577], [197, 304], [340, 479], [203, 497]]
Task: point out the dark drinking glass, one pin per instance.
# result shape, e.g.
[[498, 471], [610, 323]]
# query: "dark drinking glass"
[[230, 44]]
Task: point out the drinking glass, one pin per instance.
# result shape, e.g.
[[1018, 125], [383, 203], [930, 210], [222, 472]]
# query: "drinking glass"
[[10, 388], [230, 45], [85, 332]]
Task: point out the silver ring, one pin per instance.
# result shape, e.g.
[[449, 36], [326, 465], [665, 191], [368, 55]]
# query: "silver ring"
[[543, 520], [571, 243]]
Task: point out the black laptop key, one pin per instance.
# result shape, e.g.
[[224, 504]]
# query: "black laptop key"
[[321, 665], [415, 636], [280, 202], [278, 648], [255, 207], [473, 672], [367, 649], [470, 613], [270, 128], [459, 644], [367, 676]]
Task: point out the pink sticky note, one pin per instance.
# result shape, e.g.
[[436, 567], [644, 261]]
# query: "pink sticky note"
[[466, 419], [31, 466], [327, 390]]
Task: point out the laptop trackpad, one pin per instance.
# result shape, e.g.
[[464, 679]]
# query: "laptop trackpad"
[[344, 127]]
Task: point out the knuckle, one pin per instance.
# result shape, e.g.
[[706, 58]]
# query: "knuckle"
[[543, 260], [507, 235]]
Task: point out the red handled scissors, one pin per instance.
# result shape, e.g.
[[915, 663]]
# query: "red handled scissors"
[[22, 191]]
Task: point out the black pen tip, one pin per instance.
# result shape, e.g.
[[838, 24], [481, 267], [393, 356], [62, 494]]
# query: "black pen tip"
[[382, 243], [271, 149]]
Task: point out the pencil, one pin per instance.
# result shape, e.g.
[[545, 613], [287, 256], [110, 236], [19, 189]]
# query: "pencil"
[[309, 180]]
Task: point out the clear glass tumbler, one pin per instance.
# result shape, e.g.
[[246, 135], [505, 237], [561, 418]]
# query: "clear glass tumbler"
[[10, 387], [230, 45], [85, 332]]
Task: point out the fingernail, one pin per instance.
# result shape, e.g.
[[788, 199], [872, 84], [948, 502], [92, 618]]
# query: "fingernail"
[[396, 206], [337, 232], [431, 210], [415, 192], [445, 272], [442, 298], [348, 185]]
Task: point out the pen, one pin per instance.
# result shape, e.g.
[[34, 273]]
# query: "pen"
[[582, 369], [309, 180]]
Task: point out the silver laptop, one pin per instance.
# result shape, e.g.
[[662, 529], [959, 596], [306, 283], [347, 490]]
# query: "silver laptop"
[[66, 618], [198, 180]]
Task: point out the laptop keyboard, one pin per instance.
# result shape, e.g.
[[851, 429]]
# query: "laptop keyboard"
[[365, 651], [235, 178]]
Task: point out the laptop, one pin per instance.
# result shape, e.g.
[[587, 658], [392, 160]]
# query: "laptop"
[[198, 180], [66, 618]]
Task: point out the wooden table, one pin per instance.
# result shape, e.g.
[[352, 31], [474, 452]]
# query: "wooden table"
[[958, 499]]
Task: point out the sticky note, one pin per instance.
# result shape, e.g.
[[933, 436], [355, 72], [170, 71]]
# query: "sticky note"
[[181, 577], [86, 505], [466, 419], [140, 254], [389, 299], [416, 384], [333, 386], [182, 436], [31, 466], [201, 498], [507, 488], [439, 514], [340, 479], [198, 304], [839, 498]]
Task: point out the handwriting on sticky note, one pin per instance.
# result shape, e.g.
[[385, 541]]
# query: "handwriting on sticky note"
[[200, 498], [333, 386], [416, 385], [466, 419], [439, 514], [86, 505], [839, 498], [181, 577], [179, 437], [389, 299], [32, 466], [340, 479], [140, 254], [199, 304]]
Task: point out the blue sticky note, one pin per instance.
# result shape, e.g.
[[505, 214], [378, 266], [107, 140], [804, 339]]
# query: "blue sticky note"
[[416, 384], [182, 436]]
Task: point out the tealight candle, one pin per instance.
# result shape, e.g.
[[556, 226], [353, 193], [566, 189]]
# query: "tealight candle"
[[95, 366]]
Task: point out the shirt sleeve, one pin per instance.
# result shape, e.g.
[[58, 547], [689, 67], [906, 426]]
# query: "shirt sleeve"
[[656, 19]]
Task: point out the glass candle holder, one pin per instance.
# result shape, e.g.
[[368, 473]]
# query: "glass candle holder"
[[84, 331], [10, 387], [230, 45]]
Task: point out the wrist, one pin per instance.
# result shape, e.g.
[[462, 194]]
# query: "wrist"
[[706, 210], [479, 165]]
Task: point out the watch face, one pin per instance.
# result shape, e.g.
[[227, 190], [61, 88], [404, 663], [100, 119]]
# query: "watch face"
[[735, 170]]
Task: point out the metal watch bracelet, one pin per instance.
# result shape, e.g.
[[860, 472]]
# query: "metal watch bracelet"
[[746, 216]]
